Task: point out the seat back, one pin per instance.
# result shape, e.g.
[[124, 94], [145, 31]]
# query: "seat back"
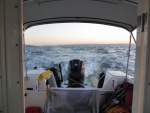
[[71, 100], [75, 100]]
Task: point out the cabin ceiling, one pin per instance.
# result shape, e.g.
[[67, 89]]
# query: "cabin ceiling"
[[121, 13]]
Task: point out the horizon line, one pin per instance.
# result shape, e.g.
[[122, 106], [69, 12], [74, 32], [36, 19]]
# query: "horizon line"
[[81, 44]]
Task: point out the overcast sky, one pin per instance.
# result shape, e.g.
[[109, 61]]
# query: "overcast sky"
[[75, 33]]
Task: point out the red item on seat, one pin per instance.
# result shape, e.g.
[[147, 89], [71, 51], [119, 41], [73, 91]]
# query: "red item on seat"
[[33, 110]]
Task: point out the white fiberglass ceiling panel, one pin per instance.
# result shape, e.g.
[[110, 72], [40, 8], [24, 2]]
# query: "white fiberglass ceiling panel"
[[121, 13]]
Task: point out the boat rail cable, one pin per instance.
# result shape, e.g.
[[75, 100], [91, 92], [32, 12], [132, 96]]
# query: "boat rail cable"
[[133, 37], [102, 76], [25, 58], [128, 57], [102, 63], [82, 85]]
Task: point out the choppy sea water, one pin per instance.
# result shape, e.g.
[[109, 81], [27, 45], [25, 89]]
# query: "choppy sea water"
[[96, 58]]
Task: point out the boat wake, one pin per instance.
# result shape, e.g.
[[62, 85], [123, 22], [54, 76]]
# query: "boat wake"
[[97, 58]]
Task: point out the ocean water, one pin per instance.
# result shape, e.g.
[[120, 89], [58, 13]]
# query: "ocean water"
[[96, 58]]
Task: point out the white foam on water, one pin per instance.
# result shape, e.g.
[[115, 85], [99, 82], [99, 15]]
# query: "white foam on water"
[[96, 58]]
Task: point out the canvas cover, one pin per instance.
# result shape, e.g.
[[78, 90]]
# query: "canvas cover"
[[73, 100], [121, 13]]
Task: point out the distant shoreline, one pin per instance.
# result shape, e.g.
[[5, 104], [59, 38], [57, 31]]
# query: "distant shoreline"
[[73, 45]]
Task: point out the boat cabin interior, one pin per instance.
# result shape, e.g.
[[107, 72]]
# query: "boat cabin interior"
[[17, 16]]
